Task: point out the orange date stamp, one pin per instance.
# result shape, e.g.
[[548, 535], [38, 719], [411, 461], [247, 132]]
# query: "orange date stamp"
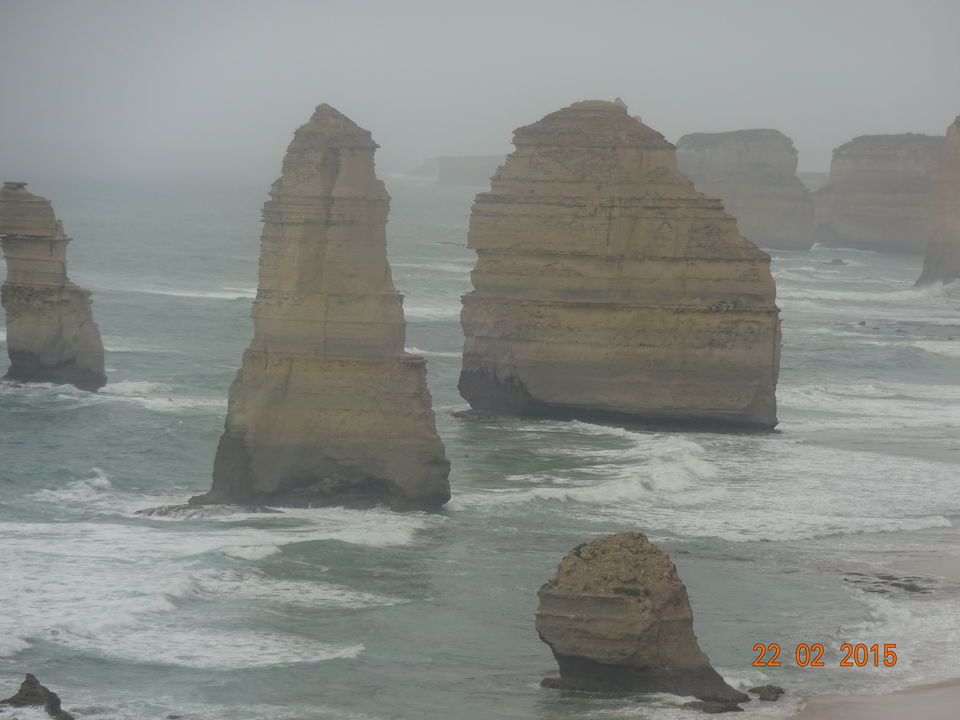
[[771, 655]]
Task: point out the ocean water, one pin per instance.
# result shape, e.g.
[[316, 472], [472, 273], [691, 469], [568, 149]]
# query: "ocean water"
[[799, 536]]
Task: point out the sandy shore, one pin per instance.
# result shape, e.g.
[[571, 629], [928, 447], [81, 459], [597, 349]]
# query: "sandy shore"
[[940, 701]]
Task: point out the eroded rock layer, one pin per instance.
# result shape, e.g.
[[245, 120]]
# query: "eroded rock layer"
[[879, 193], [51, 335], [618, 619], [754, 173], [942, 261], [607, 288], [327, 407]]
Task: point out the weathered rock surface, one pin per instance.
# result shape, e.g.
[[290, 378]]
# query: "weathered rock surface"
[[754, 173], [51, 335], [617, 619], [942, 261], [33, 694], [879, 193], [607, 288], [327, 408]]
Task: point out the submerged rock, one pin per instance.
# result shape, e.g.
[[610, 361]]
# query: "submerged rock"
[[618, 620], [942, 261], [33, 694], [879, 193], [607, 288], [328, 408], [767, 693], [754, 173], [51, 335]]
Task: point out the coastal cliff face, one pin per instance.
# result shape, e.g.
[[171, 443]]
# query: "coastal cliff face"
[[942, 261], [607, 288], [754, 173], [327, 408], [879, 193], [51, 335], [618, 619]]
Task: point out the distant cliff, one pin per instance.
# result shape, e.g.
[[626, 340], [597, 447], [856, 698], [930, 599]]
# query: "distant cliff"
[[942, 261], [473, 170], [51, 335], [879, 194], [607, 287], [754, 173]]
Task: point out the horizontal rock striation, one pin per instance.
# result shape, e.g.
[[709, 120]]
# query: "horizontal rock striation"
[[942, 261], [607, 288], [618, 620], [879, 193], [51, 335], [754, 173], [327, 408]]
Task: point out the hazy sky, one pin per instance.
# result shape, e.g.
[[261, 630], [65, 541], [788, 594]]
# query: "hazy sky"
[[215, 88]]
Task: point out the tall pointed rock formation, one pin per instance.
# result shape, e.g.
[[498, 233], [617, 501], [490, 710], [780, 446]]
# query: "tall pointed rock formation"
[[607, 288], [327, 408], [942, 261], [51, 335]]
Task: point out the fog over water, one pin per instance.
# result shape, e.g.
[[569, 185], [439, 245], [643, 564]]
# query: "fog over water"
[[212, 89]]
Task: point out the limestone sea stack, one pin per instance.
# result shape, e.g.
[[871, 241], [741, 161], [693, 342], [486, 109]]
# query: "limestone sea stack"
[[618, 620], [51, 335], [607, 288], [942, 261], [327, 408], [879, 193], [754, 173]]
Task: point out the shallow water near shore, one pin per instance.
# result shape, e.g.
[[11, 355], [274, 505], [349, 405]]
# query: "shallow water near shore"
[[805, 535]]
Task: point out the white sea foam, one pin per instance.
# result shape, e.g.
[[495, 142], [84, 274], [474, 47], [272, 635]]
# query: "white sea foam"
[[417, 311], [222, 294], [432, 353], [948, 348], [158, 397], [254, 586], [27, 713], [445, 267]]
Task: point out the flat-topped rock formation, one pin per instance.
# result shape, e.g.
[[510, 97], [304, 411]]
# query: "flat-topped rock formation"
[[51, 335], [942, 261], [607, 288], [327, 408], [754, 173], [879, 193], [618, 620]]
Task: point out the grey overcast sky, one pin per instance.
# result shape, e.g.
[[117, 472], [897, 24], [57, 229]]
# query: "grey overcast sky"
[[215, 88]]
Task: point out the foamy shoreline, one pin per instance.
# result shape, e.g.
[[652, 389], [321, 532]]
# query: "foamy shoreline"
[[929, 701], [937, 701]]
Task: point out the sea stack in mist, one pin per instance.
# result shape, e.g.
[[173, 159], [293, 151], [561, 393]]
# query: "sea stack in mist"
[[754, 173], [607, 288], [879, 193], [942, 261], [327, 408], [51, 335], [618, 620]]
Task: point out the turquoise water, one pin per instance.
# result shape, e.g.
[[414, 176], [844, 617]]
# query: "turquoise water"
[[335, 613]]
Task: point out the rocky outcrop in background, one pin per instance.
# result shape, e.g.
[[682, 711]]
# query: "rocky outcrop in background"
[[754, 173], [879, 193], [327, 407], [618, 619], [942, 261], [51, 335], [607, 288]]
